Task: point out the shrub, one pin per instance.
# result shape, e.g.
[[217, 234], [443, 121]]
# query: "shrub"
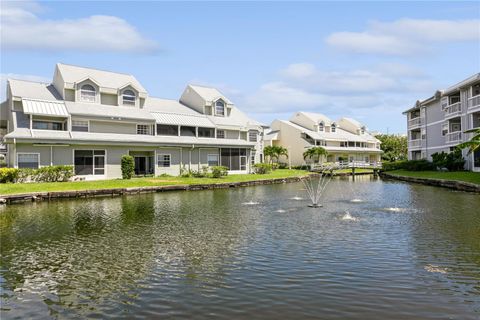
[[282, 165], [128, 167], [418, 165], [219, 171], [453, 161], [274, 166], [25, 175], [8, 175], [395, 165], [262, 168], [49, 174]]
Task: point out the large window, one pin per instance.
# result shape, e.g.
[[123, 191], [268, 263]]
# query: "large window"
[[252, 136], [220, 108], [164, 160], [233, 158], [220, 134], [89, 162], [128, 97], [206, 132], [47, 125], [187, 131], [212, 160], [80, 125], [167, 130], [87, 93], [28, 160], [143, 129]]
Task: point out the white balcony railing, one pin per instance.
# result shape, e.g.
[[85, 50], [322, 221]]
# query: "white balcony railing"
[[474, 101], [453, 109], [415, 122], [415, 143], [453, 137]]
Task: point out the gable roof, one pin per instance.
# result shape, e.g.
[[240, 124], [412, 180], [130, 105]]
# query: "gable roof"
[[316, 117], [209, 94], [168, 105], [33, 90], [114, 80]]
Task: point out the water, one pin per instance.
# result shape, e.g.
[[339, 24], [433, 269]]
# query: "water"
[[403, 252]]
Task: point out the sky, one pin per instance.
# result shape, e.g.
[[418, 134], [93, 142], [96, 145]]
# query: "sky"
[[365, 60]]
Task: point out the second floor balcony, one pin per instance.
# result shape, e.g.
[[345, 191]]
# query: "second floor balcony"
[[453, 137], [474, 102], [453, 110], [415, 122], [416, 143]]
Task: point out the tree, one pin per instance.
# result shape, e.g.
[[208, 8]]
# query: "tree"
[[473, 144], [275, 152], [315, 153], [394, 146], [128, 166]]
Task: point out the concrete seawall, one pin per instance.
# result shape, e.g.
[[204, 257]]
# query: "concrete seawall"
[[39, 196], [451, 184]]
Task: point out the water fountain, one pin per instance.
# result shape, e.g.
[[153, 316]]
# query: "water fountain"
[[315, 188]]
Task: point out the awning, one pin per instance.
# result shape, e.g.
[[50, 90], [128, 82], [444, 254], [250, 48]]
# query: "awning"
[[44, 107], [182, 119]]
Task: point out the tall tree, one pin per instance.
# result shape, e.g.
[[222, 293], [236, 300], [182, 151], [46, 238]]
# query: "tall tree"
[[394, 146], [275, 152]]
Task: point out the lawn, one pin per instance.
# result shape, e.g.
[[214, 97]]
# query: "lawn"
[[15, 188], [466, 176]]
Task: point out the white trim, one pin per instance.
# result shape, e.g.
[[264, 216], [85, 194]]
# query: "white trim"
[[84, 120], [93, 164], [37, 153]]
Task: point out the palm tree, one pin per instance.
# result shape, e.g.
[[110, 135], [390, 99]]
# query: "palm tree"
[[315, 153], [473, 144], [275, 152]]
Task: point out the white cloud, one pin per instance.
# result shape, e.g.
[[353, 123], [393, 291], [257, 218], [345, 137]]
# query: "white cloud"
[[22, 29], [5, 76], [299, 70], [405, 36]]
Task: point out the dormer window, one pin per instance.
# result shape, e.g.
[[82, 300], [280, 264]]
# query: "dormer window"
[[321, 127], [220, 108], [88, 93], [128, 98], [333, 128], [362, 130]]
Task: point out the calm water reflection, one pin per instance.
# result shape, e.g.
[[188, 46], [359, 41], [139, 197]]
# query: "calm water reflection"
[[403, 252]]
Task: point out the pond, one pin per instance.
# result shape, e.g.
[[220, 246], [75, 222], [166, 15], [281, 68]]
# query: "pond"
[[375, 250]]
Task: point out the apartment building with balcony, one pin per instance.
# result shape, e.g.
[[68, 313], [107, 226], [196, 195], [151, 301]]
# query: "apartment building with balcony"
[[439, 123], [90, 118], [344, 140]]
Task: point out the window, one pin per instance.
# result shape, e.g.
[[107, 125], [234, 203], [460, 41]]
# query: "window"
[[343, 144], [163, 160], [220, 134], [128, 97], [233, 159], [88, 93], [444, 129], [28, 160], [321, 127], [206, 132], [220, 108], [167, 130], [252, 159], [333, 128], [143, 129], [351, 143], [362, 130], [47, 125], [212, 160], [252, 136], [80, 125], [187, 131], [476, 90], [88, 162]]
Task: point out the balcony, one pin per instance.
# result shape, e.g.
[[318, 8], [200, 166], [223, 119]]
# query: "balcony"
[[416, 122], [453, 137], [453, 110], [417, 143], [474, 102]]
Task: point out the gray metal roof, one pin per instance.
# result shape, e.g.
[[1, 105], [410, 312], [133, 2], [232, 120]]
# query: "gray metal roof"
[[112, 112], [182, 119], [43, 107], [33, 90]]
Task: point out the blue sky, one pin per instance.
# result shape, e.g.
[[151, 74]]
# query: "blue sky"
[[367, 60]]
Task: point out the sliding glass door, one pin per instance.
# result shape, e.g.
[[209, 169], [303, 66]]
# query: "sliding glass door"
[[235, 159], [89, 162]]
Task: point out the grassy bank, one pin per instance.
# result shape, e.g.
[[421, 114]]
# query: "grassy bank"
[[16, 188], [465, 176]]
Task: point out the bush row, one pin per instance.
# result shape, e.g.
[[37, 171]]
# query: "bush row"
[[43, 174], [206, 172], [452, 161]]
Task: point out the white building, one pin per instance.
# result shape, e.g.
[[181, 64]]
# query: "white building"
[[345, 139], [89, 118]]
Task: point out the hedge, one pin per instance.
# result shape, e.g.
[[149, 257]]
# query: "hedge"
[[43, 174]]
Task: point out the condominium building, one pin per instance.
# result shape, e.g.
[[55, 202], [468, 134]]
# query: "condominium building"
[[439, 123], [90, 118], [344, 140]]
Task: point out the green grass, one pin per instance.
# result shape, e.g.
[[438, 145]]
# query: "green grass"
[[466, 176], [15, 188]]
